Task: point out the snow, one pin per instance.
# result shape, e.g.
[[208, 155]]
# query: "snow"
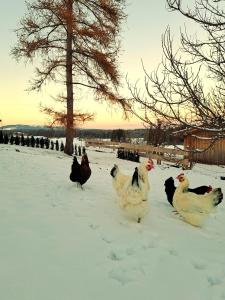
[[59, 242]]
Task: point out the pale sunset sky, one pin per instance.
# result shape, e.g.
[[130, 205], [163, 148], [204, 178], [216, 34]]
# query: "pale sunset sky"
[[141, 39]]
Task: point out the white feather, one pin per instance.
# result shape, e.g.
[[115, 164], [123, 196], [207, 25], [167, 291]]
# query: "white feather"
[[192, 207], [132, 198]]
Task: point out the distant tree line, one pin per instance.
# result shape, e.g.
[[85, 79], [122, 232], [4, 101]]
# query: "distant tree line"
[[37, 142], [153, 135], [157, 135]]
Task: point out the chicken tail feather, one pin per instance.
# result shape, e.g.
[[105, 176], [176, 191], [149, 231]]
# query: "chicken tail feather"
[[218, 196], [114, 171], [135, 178]]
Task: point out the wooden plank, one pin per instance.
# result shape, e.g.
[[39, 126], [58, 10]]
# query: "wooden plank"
[[162, 153]]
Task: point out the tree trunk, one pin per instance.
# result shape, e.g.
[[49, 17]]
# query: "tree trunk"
[[69, 82]]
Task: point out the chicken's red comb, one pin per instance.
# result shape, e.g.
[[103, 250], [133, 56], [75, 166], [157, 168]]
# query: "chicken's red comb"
[[180, 175], [209, 189]]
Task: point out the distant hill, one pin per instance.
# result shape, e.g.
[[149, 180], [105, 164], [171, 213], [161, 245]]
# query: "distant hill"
[[28, 127], [59, 131], [35, 130]]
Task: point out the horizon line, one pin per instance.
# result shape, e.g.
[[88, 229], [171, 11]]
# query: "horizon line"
[[47, 126]]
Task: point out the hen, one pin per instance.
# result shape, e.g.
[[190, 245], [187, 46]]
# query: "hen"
[[170, 189], [80, 173], [133, 190], [192, 207]]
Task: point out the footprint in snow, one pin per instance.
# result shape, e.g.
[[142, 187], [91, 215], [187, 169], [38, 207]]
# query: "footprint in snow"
[[120, 254], [121, 276], [149, 245], [115, 256], [173, 252], [94, 226], [124, 275], [91, 204], [215, 280], [130, 251], [106, 239], [199, 265]]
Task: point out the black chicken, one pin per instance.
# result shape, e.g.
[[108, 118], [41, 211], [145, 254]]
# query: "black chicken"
[[170, 189], [80, 173]]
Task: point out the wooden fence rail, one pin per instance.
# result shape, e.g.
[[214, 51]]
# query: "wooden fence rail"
[[160, 153]]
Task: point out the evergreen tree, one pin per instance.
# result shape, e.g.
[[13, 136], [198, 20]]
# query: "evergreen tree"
[[17, 140], [47, 143], [22, 140], [52, 145], [75, 150], [27, 142], [57, 145], [37, 142], [11, 140], [79, 150], [1, 137], [62, 147], [42, 142], [32, 141], [6, 139]]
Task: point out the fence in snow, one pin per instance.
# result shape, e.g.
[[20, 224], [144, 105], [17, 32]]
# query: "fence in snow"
[[177, 156]]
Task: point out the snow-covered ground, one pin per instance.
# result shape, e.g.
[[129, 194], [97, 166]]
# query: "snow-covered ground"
[[58, 242]]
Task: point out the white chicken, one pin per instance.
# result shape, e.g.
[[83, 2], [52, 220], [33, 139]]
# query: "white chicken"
[[133, 190], [192, 207]]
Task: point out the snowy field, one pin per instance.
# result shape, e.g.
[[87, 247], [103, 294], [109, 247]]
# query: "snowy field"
[[58, 242]]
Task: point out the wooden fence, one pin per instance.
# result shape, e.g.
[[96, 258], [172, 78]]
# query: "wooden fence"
[[179, 157]]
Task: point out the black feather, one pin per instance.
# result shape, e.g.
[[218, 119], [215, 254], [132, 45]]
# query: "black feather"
[[80, 172], [135, 178], [170, 189], [113, 171]]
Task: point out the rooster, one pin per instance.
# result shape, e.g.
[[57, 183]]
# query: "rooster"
[[80, 173], [170, 189], [133, 190], [192, 207]]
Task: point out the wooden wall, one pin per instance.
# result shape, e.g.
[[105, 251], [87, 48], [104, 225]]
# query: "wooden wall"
[[214, 155]]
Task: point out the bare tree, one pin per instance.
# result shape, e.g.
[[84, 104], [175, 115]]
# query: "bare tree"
[[188, 87], [75, 43], [210, 16]]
